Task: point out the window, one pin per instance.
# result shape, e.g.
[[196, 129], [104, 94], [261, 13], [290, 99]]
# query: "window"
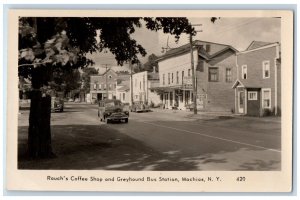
[[169, 78], [123, 96], [109, 76], [244, 72], [213, 74], [189, 72], [172, 78], [228, 77], [252, 95], [100, 87], [177, 77], [266, 98], [182, 75], [144, 83], [163, 79], [266, 69], [109, 87], [104, 86], [200, 66]]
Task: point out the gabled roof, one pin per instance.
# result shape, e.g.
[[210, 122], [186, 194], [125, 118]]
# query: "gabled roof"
[[124, 88], [196, 44], [247, 83], [257, 44]]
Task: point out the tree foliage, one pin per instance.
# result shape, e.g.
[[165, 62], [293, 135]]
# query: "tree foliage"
[[86, 77], [151, 63]]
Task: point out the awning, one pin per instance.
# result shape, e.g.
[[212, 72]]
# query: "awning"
[[172, 88]]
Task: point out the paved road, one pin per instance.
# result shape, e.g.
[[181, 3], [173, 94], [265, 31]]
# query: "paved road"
[[168, 141]]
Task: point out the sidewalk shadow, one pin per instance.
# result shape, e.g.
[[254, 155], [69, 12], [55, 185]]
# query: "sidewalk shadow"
[[94, 147]]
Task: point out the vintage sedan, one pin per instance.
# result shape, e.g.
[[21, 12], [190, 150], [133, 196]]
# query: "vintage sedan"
[[57, 104], [112, 110], [139, 106]]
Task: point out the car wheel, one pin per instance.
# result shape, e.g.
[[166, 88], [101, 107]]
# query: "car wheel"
[[126, 120]]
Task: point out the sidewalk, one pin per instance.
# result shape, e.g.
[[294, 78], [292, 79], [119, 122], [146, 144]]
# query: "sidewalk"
[[215, 115]]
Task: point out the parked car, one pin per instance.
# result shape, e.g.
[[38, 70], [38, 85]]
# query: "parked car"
[[57, 104], [139, 106], [112, 110]]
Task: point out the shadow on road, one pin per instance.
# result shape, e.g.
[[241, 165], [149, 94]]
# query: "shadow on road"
[[99, 147]]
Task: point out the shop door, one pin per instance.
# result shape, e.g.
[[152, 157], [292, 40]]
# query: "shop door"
[[241, 101]]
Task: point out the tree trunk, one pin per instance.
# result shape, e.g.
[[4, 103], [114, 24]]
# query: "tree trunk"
[[39, 133]]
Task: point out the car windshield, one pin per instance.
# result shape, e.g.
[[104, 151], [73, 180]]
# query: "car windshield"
[[113, 103]]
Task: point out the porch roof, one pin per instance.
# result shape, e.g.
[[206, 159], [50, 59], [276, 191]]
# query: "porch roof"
[[172, 88], [246, 84]]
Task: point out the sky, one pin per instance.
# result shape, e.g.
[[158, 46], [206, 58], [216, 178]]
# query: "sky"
[[237, 32]]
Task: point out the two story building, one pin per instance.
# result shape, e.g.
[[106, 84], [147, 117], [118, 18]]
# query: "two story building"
[[215, 70], [142, 84], [104, 86], [258, 85]]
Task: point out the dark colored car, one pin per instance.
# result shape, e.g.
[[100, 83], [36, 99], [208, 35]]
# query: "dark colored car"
[[139, 106], [112, 110], [57, 104]]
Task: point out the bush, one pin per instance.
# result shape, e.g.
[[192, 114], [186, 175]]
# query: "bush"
[[267, 112]]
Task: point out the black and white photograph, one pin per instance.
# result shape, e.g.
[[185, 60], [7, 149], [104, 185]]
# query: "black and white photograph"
[[152, 93]]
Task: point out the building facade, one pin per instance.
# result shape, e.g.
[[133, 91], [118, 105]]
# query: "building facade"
[[123, 91], [258, 85], [214, 66], [104, 86], [142, 84]]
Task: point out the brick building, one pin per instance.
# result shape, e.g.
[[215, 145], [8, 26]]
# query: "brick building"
[[104, 86]]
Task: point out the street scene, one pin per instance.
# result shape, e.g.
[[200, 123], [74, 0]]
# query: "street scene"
[[158, 140], [149, 94]]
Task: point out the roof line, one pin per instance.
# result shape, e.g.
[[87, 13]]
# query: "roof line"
[[259, 48]]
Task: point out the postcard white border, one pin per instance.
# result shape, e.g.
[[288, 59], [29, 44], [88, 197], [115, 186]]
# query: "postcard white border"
[[262, 181]]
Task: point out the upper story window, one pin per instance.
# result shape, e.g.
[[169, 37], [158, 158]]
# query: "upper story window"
[[104, 87], [163, 79], [110, 86], [189, 72], [169, 78], [213, 74], [100, 87], [95, 86], [123, 96], [177, 77], [172, 78], [182, 75], [244, 72], [228, 76], [266, 69]]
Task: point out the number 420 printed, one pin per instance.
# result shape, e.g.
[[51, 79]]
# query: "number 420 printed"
[[241, 178]]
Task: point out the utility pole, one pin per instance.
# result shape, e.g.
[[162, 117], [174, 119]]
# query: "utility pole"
[[106, 82], [194, 78], [131, 85]]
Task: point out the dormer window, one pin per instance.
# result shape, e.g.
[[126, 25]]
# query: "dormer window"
[[244, 72]]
